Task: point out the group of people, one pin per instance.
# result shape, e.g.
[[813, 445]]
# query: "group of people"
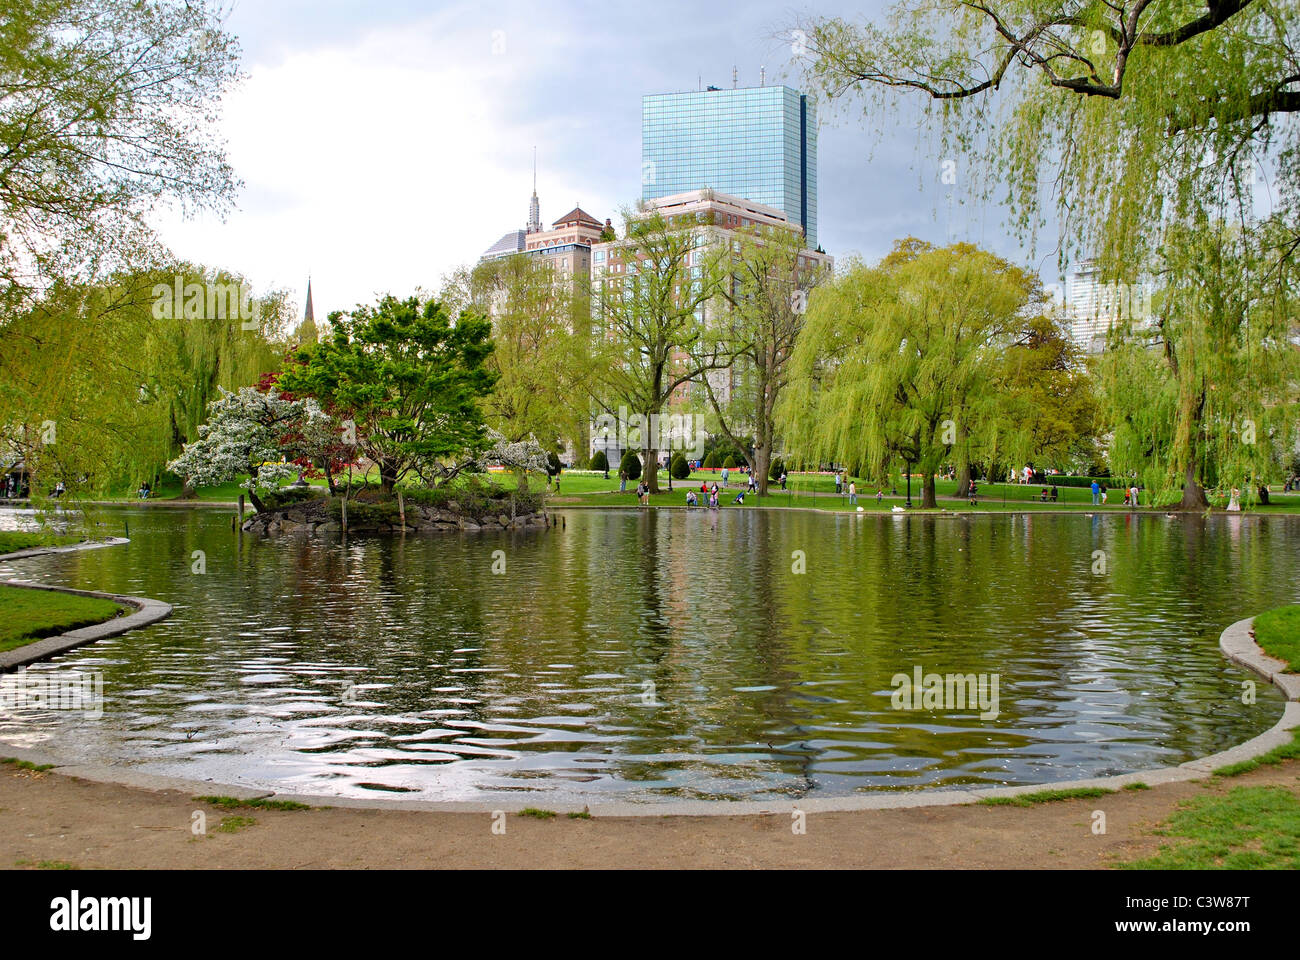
[[1100, 494], [712, 495]]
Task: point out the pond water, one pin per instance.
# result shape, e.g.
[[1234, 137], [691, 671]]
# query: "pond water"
[[643, 655]]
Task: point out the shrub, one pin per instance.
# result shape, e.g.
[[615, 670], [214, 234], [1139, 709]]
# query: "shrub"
[[630, 465], [285, 496], [711, 460], [679, 469], [777, 468], [362, 513], [730, 462], [599, 462]]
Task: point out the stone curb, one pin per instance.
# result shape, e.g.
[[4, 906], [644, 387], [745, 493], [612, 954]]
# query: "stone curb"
[[147, 611], [1230, 641], [42, 551]]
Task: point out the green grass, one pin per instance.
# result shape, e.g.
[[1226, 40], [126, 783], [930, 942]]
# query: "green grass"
[[1249, 828], [45, 864], [1288, 751], [11, 541], [261, 803], [26, 764], [1046, 796], [537, 814], [234, 824], [1278, 632], [27, 615], [580, 815], [1136, 786]]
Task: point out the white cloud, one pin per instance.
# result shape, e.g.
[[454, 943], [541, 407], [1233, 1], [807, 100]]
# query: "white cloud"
[[378, 166]]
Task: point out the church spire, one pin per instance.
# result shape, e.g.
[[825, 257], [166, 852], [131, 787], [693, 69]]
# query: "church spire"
[[534, 209], [307, 332]]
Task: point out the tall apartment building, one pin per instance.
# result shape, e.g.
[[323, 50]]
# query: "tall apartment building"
[[759, 143], [714, 218], [1093, 307]]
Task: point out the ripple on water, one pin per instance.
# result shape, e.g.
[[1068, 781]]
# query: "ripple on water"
[[654, 655]]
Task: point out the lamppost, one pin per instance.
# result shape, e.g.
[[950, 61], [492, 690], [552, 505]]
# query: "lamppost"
[[909, 487]]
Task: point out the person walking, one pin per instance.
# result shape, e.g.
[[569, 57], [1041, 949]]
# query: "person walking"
[[853, 493], [622, 481], [782, 479], [839, 484], [1096, 492]]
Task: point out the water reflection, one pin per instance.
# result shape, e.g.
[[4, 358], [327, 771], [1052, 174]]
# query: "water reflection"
[[640, 654]]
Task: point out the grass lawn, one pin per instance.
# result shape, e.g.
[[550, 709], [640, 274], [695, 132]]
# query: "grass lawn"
[[1248, 828], [11, 541], [27, 615], [1278, 632], [803, 490]]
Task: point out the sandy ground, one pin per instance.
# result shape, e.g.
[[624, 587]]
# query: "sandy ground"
[[50, 817]]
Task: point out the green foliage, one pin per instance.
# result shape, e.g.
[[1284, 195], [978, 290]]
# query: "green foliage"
[[599, 461], [363, 513], [1250, 828], [1046, 796], [678, 468], [650, 324], [108, 108], [1278, 632], [710, 460], [287, 496], [730, 462], [894, 359], [630, 466], [540, 329], [777, 468], [27, 615], [411, 380], [118, 385]]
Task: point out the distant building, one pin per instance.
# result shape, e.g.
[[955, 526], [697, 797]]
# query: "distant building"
[[1092, 307], [566, 245], [754, 142], [715, 217]]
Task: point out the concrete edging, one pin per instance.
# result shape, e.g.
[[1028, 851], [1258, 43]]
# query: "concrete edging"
[[147, 611], [1236, 642]]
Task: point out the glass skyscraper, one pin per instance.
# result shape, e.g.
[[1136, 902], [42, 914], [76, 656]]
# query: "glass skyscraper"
[[757, 143]]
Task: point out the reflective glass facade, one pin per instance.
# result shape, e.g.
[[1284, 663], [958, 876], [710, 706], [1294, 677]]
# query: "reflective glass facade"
[[757, 143]]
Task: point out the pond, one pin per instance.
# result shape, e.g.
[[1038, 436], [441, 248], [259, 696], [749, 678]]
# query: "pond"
[[645, 655]]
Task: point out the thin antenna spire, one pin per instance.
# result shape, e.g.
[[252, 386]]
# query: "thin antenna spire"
[[735, 73], [534, 169]]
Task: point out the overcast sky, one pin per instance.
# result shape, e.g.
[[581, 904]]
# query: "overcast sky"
[[383, 144]]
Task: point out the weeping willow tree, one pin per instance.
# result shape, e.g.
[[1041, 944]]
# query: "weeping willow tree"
[[894, 359], [1206, 396], [103, 385], [1146, 124]]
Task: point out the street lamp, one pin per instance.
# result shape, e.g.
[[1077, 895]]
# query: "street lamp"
[[909, 487]]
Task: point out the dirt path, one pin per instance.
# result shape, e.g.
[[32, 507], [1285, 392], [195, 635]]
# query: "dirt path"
[[46, 817]]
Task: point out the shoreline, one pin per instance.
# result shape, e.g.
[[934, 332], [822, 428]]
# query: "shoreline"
[[1235, 642]]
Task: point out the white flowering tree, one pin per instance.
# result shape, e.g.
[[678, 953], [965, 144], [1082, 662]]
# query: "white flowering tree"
[[242, 437], [520, 456]]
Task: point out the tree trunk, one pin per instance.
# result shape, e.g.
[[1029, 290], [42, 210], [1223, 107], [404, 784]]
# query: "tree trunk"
[[963, 460], [927, 491], [761, 465], [256, 501], [650, 468], [1193, 494]]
